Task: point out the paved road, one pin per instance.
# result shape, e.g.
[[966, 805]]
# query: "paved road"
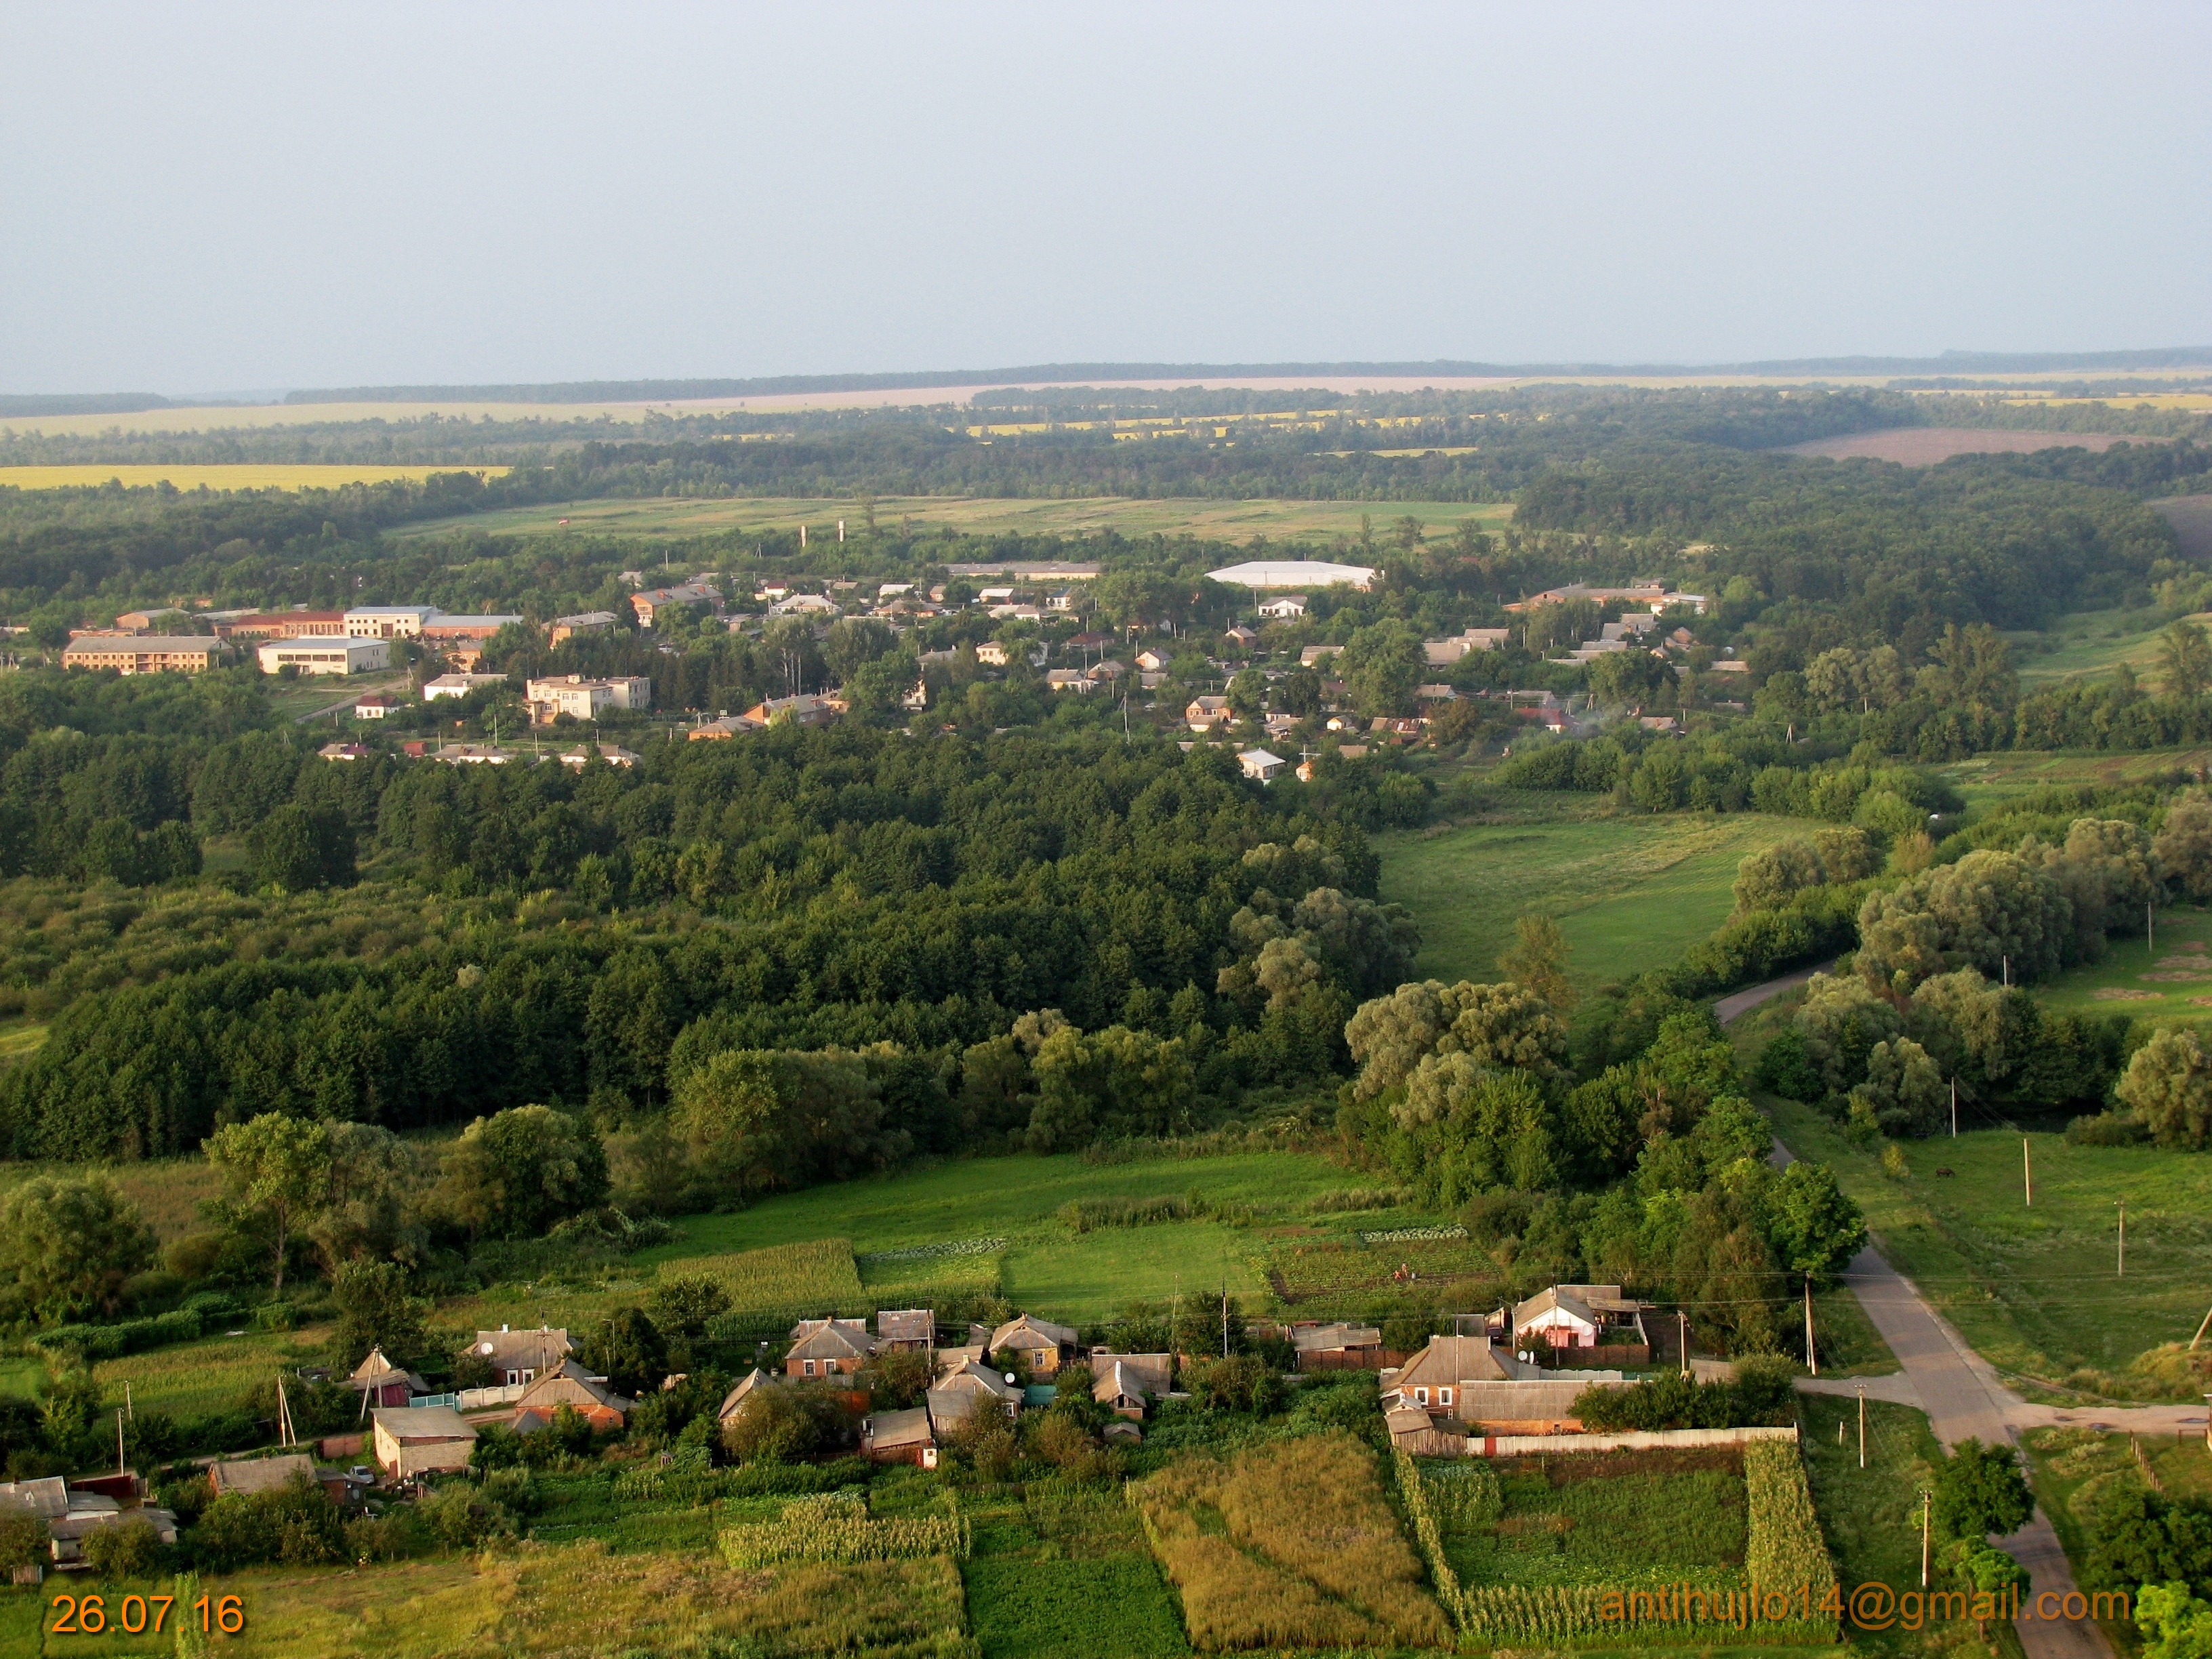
[[1744, 1002], [1963, 1398]]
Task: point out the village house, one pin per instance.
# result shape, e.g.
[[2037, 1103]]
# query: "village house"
[[1259, 765], [828, 1347], [1284, 607], [148, 654], [747, 1385], [901, 1436], [1078, 680], [1123, 1383], [993, 654], [612, 753], [962, 1390], [380, 1382], [1435, 1377], [685, 596], [1240, 638], [565, 629], [345, 751], [570, 1384], [519, 1356], [375, 706], [1312, 654], [1206, 713], [417, 1440], [1441, 653], [455, 637], [1569, 1316], [804, 604], [1039, 1344], [325, 656], [802, 710], [1153, 662], [248, 1475], [729, 726], [905, 1330]]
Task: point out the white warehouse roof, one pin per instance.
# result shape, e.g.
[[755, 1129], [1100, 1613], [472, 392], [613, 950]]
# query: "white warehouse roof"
[[1292, 572]]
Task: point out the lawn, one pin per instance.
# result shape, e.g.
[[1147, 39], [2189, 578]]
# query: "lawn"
[[168, 1191], [2035, 1288], [1584, 1519], [1629, 892], [1234, 520], [1988, 779]]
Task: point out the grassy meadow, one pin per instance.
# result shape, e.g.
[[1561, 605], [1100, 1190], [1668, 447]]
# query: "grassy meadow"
[[2034, 1289], [188, 475], [1988, 780], [2092, 643], [1629, 892], [1235, 521], [2168, 978]]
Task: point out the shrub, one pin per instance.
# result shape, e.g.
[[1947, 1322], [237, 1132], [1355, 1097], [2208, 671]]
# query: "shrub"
[[131, 1548], [2106, 1129]]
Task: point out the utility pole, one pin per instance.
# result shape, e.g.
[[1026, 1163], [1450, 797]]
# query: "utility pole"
[[1812, 1355], [1225, 1316], [1923, 1537], [1682, 1336], [1954, 1108], [2026, 1173], [2122, 1272], [2150, 925], [119, 1443], [2008, 972], [1861, 1426], [2193, 1341]]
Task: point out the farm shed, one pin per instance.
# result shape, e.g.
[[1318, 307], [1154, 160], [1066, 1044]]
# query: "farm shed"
[[900, 1437], [383, 1383], [412, 1440], [1123, 1383], [906, 1330]]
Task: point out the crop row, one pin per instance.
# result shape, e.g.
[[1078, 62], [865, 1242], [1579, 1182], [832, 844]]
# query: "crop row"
[[838, 1528]]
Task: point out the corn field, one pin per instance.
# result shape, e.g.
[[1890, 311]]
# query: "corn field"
[[1784, 1546], [837, 1529]]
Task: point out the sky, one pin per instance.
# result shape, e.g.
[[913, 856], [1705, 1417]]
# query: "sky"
[[219, 198]]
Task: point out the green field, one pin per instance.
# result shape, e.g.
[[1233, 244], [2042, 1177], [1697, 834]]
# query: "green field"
[[1865, 1514], [1630, 892], [2034, 1289], [2093, 643], [1990, 779], [2173, 981], [1233, 521]]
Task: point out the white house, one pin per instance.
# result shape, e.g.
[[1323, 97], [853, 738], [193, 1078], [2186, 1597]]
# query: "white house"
[[457, 685], [1259, 765], [1290, 604], [388, 621]]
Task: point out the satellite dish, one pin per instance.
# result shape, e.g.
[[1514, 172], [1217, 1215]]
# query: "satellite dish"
[[483, 1347], [1010, 1377]]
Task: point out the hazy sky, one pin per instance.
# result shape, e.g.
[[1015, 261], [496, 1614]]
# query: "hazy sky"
[[216, 197]]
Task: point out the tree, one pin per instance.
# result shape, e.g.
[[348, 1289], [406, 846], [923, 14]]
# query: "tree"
[[375, 1311], [628, 1351], [2184, 659], [515, 1174], [67, 1247], [1979, 1490], [1902, 1088], [1381, 664], [1814, 1225], [297, 847], [780, 1424], [278, 1168], [2178, 1625], [1538, 959], [1766, 879], [2168, 1085], [374, 1175], [2183, 846], [1502, 1025], [1988, 910], [684, 1305]]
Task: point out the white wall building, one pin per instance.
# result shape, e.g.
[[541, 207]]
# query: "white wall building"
[[581, 699], [325, 656], [1292, 572], [388, 621]]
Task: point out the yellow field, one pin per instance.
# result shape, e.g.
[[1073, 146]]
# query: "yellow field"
[[245, 476]]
